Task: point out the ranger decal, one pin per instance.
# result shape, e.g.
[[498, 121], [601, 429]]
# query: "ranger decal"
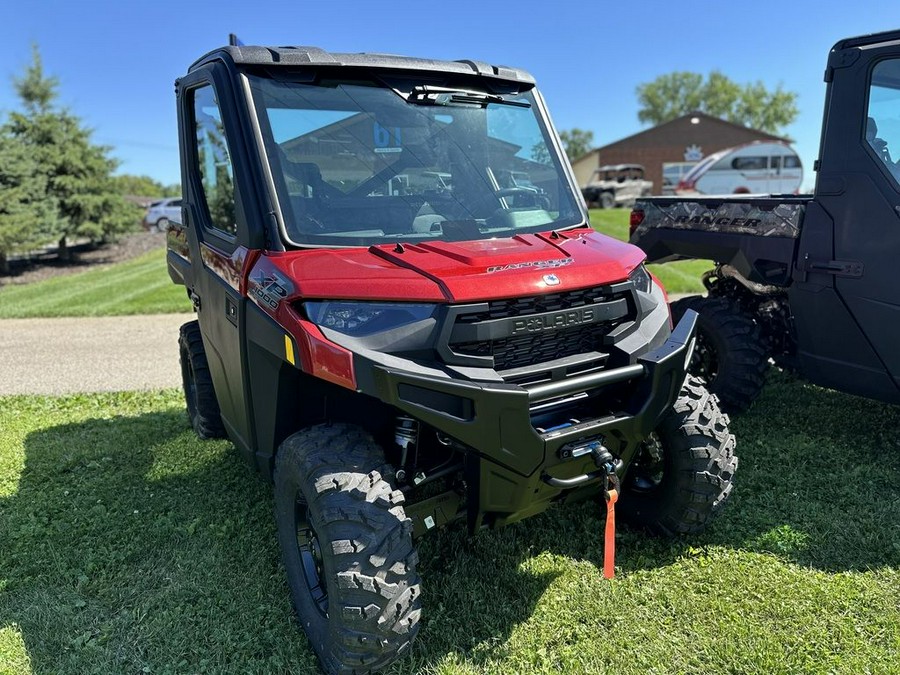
[[537, 264]]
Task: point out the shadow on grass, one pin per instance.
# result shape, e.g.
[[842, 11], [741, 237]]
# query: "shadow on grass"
[[818, 485], [819, 479], [131, 545]]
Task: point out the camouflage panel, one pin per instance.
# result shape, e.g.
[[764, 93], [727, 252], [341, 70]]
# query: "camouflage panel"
[[763, 220]]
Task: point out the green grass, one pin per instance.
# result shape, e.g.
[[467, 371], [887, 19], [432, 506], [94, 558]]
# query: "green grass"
[[138, 286], [676, 277], [128, 546]]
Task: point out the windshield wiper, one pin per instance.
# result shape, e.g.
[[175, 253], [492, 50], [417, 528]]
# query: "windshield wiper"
[[429, 95]]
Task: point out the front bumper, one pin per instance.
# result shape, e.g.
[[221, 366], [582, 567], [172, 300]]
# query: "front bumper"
[[495, 420]]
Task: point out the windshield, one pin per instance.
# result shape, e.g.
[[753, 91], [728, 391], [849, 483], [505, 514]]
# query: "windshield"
[[358, 163]]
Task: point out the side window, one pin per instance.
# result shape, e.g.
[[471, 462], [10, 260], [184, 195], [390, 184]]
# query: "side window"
[[750, 163], [213, 162], [882, 132]]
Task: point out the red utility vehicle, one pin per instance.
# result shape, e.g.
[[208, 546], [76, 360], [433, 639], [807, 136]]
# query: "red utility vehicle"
[[405, 319]]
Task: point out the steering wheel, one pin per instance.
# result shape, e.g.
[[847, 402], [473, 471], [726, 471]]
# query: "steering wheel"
[[533, 198], [513, 191]]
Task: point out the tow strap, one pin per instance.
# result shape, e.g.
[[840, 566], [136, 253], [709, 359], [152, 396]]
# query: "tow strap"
[[611, 489]]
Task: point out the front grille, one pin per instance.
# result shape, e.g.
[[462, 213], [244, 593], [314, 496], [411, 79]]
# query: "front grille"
[[534, 348], [529, 350], [552, 302]]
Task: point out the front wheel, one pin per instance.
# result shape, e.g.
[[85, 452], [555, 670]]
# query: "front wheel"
[[682, 475], [347, 548]]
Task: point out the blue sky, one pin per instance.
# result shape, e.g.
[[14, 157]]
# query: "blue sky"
[[117, 61]]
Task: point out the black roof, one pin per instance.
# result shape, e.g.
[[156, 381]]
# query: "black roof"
[[314, 56], [870, 39]]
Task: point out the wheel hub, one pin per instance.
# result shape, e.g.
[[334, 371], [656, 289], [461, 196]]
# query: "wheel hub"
[[647, 471], [311, 558], [704, 362]]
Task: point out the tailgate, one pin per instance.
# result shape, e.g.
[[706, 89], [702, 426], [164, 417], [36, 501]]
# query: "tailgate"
[[756, 235], [758, 216]]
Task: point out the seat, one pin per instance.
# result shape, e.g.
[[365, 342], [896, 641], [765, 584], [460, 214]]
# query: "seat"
[[878, 144]]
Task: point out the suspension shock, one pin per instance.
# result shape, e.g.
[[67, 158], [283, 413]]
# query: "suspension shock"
[[406, 436]]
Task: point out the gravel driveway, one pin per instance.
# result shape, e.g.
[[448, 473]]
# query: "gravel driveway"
[[62, 356]]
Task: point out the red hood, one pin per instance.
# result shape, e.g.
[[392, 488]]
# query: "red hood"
[[465, 271]]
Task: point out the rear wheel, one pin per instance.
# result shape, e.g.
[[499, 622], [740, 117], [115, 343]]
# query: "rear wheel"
[[347, 548], [162, 224], [730, 355], [199, 395], [683, 473]]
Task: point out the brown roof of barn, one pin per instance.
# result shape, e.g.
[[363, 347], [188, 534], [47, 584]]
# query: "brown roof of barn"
[[669, 142], [673, 131]]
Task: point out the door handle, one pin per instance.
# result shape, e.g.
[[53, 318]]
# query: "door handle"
[[839, 268]]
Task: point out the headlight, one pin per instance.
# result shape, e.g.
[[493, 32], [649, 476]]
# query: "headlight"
[[640, 277], [359, 319]]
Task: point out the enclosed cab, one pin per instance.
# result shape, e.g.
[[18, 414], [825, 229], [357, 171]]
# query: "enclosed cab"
[[404, 320]]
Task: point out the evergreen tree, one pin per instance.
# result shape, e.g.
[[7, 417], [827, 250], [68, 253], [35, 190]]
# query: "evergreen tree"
[[27, 216], [144, 186], [78, 172]]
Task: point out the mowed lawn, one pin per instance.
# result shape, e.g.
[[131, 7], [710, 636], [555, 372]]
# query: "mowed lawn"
[[138, 286], [128, 546], [142, 285]]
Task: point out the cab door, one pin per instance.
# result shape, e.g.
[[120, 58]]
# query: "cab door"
[[213, 219], [859, 186]]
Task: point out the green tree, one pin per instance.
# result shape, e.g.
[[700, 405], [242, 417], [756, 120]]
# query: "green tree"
[[78, 172], [751, 105], [27, 216], [139, 186], [576, 142]]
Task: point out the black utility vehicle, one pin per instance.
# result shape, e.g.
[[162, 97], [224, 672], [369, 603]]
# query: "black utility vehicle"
[[809, 281], [404, 319]]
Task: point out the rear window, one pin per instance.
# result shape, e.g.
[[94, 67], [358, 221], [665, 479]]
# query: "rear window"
[[791, 162]]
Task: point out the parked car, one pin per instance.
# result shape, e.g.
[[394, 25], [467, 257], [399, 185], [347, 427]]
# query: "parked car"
[[616, 185], [673, 173], [160, 213], [761, 167]]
